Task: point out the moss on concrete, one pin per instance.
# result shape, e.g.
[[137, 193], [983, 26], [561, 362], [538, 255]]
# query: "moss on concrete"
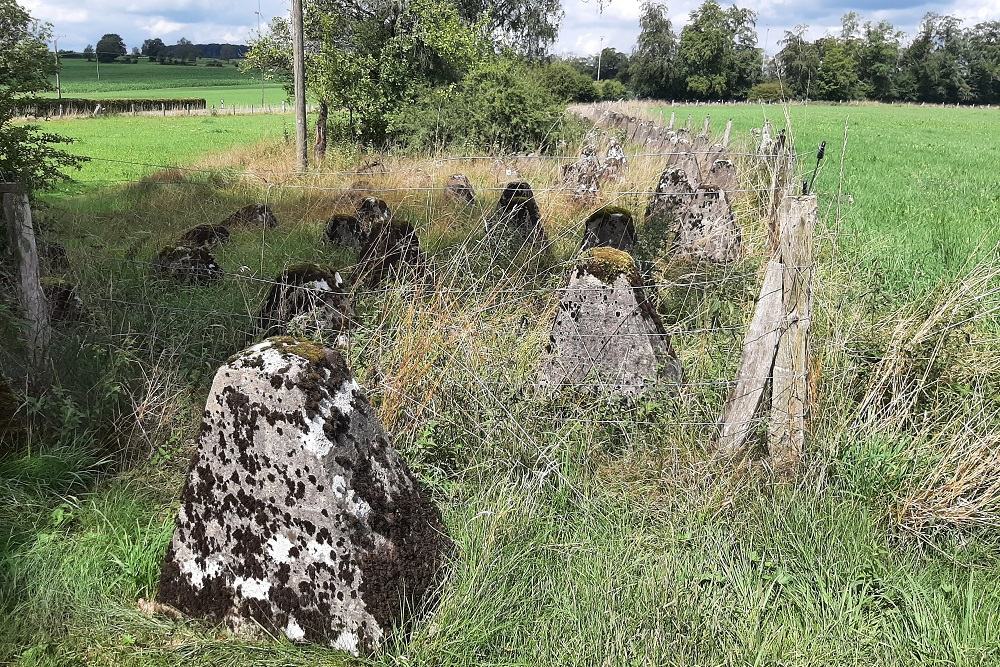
[[608, 263]]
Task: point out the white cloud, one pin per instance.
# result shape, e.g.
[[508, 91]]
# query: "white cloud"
[[161, 26]]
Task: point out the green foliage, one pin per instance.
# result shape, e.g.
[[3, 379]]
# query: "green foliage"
[[837, 78], [611, 89], [27, 155], [718, 52], [767, 91], [566, 83], [498, 106], [109, 47], [654, 70]]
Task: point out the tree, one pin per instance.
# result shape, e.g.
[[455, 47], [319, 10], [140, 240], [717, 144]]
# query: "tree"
[[653, 68], [718, 52], [528, 27], [110, 47], [185, 50], [837, 78], [89, 52], [935, 64], [614, 64], [27, 155], [878, 58], [798, 61], [566, 83], [984, 61], [228, 52], [153, 47]]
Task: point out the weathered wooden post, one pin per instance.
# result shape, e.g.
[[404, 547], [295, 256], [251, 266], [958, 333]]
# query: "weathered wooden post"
[[21, 237], [727, 133], [706, 126], [673, 118], [797, 218]]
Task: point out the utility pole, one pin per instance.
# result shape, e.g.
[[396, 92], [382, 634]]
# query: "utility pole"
[[262, 69], [299, 70], [600, 52], [55, 46]]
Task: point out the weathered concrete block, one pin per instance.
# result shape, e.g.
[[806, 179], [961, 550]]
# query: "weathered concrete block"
[[518, 211], [584, 175], [297, 515], [708, 228], [391, 247], [186, 264], [63, 299], [672, 195], [607, 338], [723, 176], [610, 226], [252, 215], [459, 188], [345, 230], [615, 162], [372, 212], [205, 236], [306, 299]]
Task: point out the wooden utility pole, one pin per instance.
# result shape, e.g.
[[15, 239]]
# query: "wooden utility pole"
[[21, 238], [299, 71]]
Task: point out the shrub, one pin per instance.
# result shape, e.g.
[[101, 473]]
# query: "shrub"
[[498, 106], [768, 91], [611, 89], [567, 83]]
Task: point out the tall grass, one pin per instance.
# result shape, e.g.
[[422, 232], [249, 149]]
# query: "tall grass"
[[587, 532]]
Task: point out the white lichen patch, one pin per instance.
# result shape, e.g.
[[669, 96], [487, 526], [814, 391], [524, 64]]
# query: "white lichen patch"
[[255, 589]]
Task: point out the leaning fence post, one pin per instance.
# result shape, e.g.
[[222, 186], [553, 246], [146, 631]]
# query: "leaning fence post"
[[789, 388], [21, 237], [727, 133]]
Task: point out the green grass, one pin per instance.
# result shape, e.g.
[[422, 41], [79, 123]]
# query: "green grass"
[[587, 534], [151, 80], [114, 142], [920, 184]]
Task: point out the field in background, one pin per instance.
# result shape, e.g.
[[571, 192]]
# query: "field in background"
[[587, 534], [921, 195], [148, 80]]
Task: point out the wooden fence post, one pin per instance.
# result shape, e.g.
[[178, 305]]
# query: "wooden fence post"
[[21, 237], [789, 389], [776, 346]]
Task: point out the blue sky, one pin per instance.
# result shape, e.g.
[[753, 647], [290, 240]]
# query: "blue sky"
[[587, 24]]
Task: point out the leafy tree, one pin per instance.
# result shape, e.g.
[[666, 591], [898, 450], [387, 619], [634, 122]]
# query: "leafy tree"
[[89, 52], [27, 155], [611, 89], [153, 47], [654, 67], [614, 64], [767, 91], [527, 27], [566, 83], [878, 58], [229, 52], [837, 78], [798, 61], [110, 47], [718, 51], [984, 61], [935, 64]]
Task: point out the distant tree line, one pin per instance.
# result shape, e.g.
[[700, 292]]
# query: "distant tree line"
[[111, 47], [716, 56], [943, 62]]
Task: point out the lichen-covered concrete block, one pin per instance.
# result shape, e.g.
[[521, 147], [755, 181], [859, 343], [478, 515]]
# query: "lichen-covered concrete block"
[[607, 338], [672, 195], [372, 212], [252, 215], [344, 230], [609, 226], [205, 236], [308, 299], [63, 299], [186, 264], [708, 228], [391, 248], [584, 175], [723, 176], [297, 515], [518, 211], [459, 188], [615, 162]]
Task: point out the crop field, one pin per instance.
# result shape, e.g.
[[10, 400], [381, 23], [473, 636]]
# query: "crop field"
[[79, 78], [586, 532]]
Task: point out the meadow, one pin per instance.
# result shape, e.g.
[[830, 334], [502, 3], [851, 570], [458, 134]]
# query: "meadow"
[[587, 533], [79, 78]]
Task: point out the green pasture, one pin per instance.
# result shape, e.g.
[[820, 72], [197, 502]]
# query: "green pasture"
[[920, 190], [587, 532]]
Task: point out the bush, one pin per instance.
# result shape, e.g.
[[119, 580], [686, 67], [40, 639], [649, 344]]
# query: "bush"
[[498, 106], [611, 89], [567, 83], [768, 91]]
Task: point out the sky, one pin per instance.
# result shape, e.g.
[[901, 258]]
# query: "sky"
[[587, 24]]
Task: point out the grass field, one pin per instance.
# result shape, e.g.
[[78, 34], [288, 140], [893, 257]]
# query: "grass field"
[[586, 533], [146, 80]]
